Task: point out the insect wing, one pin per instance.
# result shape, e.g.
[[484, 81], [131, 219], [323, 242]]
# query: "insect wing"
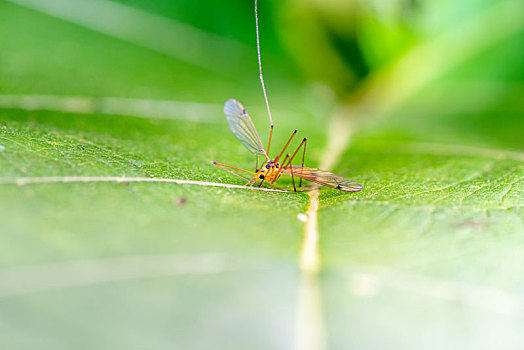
[[242, 126], [325, 178]]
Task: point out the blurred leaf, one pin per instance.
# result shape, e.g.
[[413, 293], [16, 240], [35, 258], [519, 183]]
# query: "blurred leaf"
[[62, 242], [432, 245], [425, 213]]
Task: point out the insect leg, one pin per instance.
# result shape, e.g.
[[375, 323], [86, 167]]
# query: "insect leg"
[[284, 165], [262, 77], [304, 141], [287, 144], [281, 168], [225, 166], [303, 157], [251, 183], [293, 178], [270, 136]]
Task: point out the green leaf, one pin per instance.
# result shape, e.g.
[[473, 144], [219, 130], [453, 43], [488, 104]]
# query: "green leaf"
[[432, 245], [118, 232]]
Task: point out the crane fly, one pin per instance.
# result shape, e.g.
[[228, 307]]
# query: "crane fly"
[[243, 128]]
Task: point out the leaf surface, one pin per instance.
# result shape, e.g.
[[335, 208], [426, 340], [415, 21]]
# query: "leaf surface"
[[428, 255]]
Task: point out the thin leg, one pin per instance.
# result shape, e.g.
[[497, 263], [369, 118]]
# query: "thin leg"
[[304, 141], [261, 182], [303, 157], [233, 167], [293, 178], [225, 166], [270, 136], [260, 66], [281, 168], [287, 144]]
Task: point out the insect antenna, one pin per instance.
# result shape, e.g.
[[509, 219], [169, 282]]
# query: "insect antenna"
[[262, 78]]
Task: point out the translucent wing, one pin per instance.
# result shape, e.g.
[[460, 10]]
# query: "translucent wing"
[[325, 178], [242, 126]]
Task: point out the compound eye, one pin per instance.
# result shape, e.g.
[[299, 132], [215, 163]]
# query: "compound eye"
[[261, 176], [267, 166]]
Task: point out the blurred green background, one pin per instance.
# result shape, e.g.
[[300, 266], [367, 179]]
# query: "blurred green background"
[[420, 101]]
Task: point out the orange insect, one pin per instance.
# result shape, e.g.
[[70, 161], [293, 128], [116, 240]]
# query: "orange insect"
[[243, 128]]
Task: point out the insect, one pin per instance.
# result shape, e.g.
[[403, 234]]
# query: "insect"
[[243, 128]]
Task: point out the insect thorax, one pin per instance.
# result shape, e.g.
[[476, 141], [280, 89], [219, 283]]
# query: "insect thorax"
[[270, 171]]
